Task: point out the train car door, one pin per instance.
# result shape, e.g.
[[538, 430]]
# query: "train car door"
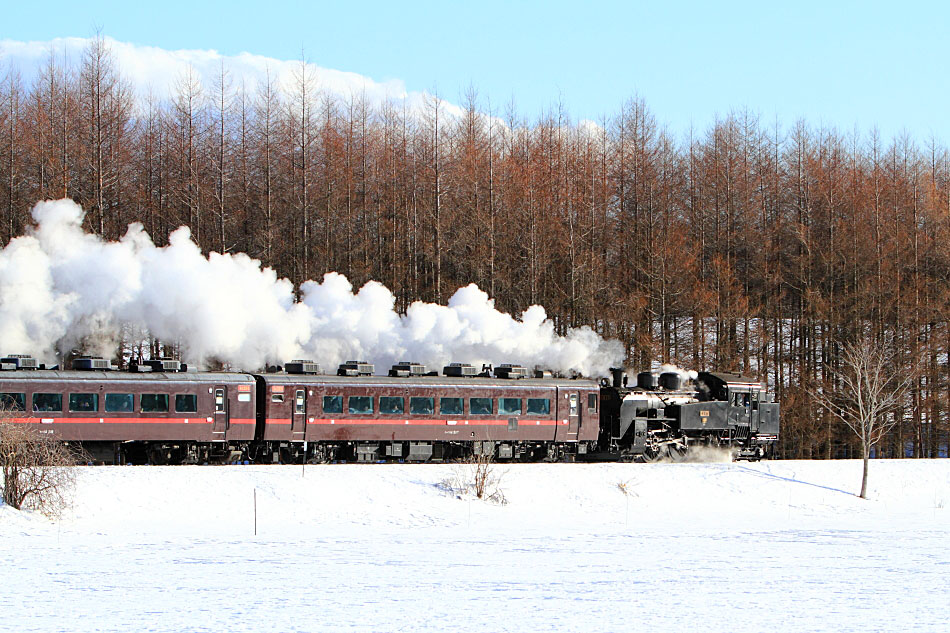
[[220, 424], [298, 419], [753, 411], [569, 409]]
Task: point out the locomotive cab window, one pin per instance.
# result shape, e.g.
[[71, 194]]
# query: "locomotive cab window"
[[392, 405], [592, 402], [539, 406], [361, 405], [300, 401], [509, 406], [480, 406], [186, 403], [450, 406], [13, 401], [422, 406], [154, 402], [83, 402], [120, 402], [333, 404], [47, 402]]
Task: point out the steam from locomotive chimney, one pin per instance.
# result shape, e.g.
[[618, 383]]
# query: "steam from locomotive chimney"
[[60, 287]]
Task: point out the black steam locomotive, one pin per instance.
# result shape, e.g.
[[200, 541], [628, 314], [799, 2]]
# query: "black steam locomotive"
[[157, 411], [663, 416]]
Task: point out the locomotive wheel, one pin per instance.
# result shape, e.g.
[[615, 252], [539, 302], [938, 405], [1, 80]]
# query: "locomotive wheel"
[[651, 456], [677, 452]]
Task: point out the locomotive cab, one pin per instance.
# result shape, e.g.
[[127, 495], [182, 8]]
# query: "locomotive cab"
[[738, 409]]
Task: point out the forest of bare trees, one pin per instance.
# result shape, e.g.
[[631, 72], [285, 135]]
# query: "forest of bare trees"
[[749, 246]]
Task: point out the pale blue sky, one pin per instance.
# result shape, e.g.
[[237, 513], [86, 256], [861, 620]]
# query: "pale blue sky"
[[833, 63]]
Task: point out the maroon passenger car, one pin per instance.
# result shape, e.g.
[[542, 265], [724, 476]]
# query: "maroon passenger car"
[[164, 416], [423, 417]]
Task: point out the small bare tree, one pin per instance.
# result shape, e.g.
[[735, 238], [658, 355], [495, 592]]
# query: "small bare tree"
[[477, 475], [484, 480], [869, 394], [37, 471]]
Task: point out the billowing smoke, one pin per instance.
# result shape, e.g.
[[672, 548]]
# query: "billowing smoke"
[[685, 374], [61, 287]]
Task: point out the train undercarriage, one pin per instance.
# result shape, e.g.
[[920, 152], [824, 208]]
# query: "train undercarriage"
[[288, 452], [657, 447]]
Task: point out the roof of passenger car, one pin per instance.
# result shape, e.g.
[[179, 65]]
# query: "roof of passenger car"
[[125, 376], [428, 381]]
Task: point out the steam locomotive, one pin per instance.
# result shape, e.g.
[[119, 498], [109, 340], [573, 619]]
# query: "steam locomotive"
[[160, 412]]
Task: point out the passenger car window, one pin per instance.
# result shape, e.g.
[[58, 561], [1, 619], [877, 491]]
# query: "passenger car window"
[[333, 404], [83, 402], [186, 403], [277, 397], [154, 402], [479, 406], [361, 404], [573, 404], [13, 401], [509, 406], [422, 406], [539, 406], [219, 402], [592, 402], [392, 404], [47, 402], [119, 402], [300, 401], [450, 406]]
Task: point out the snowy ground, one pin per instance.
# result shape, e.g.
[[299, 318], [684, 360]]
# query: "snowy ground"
[[780, 546]]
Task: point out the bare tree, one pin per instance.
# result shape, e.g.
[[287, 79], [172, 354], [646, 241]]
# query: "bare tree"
[[869, 394], [223, 102], [189, 129], [477, 475], [36, 467], [107, 104], [266, 116]]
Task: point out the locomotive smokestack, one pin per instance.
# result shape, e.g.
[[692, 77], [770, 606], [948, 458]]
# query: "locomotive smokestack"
[[619, 377]]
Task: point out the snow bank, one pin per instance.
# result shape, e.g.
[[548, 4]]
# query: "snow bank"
[[782, 545]]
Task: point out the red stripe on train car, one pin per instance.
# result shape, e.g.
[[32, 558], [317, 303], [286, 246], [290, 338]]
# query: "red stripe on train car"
[[410, 422], [127, 420]]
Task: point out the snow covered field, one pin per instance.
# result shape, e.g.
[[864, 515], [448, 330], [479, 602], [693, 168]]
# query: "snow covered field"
[[780, 546]]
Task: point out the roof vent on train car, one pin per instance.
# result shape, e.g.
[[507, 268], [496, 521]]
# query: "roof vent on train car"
[[405, 368], [92, 364], [19, 361], [509, 370], [460, 370], [157, 365], [164, 364], [303, 367], [355, 368]]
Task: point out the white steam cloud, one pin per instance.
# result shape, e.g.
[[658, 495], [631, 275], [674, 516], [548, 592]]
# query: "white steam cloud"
[[60, 286], [685, 374]]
